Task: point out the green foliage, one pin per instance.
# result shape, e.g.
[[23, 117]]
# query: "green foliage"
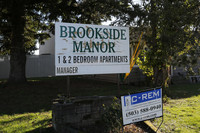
[[24, 23], [142, 62], [41, 15], [112, 118], [165, 99], [190, 71], [172, 34], [198, 73]]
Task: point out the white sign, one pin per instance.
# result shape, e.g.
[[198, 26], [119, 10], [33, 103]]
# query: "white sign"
[[142, 106], [91, 49]]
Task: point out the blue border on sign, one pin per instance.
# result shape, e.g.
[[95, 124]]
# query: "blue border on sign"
[[143, 96]]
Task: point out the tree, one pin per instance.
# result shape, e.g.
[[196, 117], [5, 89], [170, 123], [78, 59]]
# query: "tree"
[[171, 34], [23, 20]]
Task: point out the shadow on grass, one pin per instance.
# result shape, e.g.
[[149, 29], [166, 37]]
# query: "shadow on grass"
[[16, 119], [42, 130], [183, 91], [25, 98], [45, 128], [37, 95], [44, 125]]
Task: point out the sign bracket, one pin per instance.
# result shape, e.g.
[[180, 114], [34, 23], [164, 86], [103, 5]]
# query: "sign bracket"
[[160, 125]]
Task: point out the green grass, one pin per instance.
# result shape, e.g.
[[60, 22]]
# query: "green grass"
[[182, 112], [27, 107], [183, 90], [26, 122]]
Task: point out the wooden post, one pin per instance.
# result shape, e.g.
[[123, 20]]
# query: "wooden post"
[[68, 86], [118, 84]]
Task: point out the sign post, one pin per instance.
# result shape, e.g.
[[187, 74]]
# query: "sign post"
[[142, 106], [91, 49]]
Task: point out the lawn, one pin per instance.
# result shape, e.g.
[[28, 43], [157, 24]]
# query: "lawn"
[[27, 108], [26, 122], [182, 111]]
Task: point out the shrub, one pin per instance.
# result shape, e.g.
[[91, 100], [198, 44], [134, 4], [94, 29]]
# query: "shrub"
[[112, 118]]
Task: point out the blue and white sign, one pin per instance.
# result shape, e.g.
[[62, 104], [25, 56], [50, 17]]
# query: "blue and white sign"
[[142, 106]]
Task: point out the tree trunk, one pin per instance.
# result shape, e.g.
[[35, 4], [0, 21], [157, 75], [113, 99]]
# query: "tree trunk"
[[157, 77], [17, 53], [161, 76]]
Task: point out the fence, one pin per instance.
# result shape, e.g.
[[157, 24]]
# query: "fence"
[[43, 66], [36, 66]]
